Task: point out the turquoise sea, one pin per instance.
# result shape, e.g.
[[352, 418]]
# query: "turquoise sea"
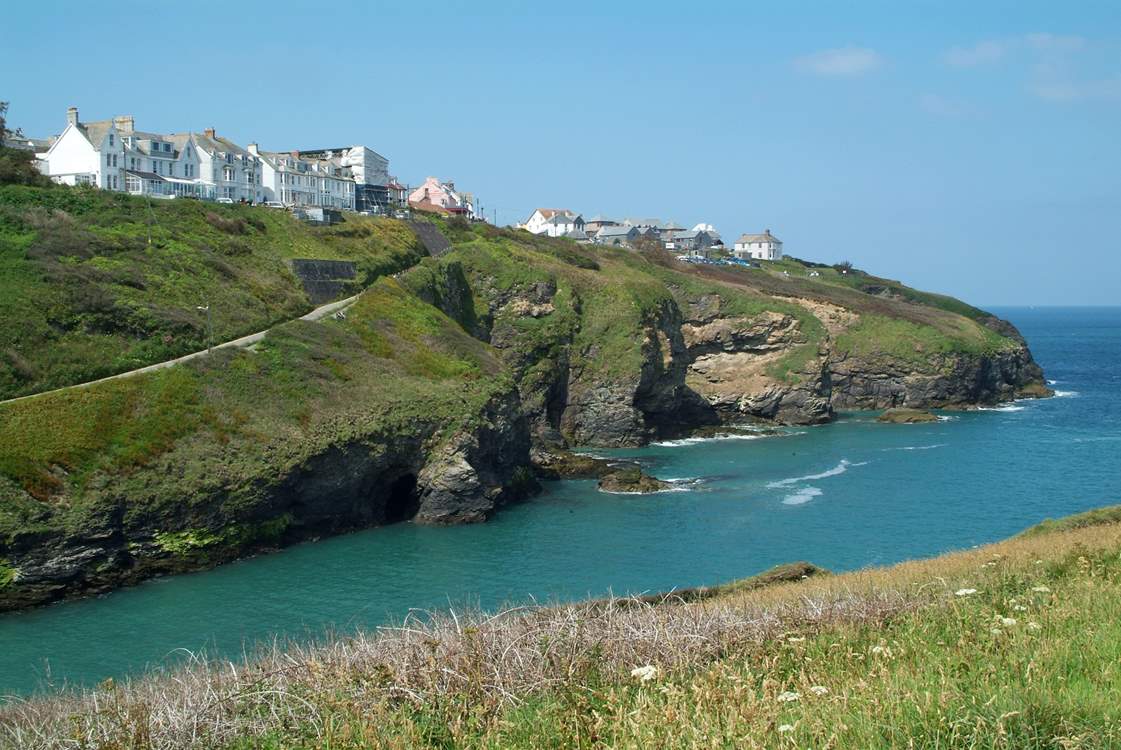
[[844, 495]]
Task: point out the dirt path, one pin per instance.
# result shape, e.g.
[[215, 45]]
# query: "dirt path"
[[245, 341]]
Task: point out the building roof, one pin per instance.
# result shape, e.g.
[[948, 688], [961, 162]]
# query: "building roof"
[[614, 231], [95, 131], [601, 219], [576, 234], [563, 219], [209, 144], [145, 175], [643, 222], [765, 237], [548, 213]]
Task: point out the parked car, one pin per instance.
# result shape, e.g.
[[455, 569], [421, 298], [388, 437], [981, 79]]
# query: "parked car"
[[273, 204], [400, 214], [223, 200]]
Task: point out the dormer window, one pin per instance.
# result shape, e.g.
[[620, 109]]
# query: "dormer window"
[[110, 139]]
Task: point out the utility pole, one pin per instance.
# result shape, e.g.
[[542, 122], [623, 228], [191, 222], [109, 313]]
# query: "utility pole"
[[209, 328]]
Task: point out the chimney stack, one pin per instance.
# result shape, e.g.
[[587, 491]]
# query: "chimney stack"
[[72, 115], [125, 124], [254, 149], [209, 132]]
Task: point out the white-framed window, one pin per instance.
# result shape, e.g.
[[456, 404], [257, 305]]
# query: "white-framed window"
[[228, 174], [110, 139]]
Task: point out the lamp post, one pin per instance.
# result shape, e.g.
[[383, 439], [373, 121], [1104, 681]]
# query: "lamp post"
[[209, 327]]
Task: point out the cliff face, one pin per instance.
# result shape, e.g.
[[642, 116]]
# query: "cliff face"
[[424, 402], [710, 353]]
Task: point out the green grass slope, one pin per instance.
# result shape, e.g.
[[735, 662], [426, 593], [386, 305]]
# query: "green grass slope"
[[158, 449], [93, 283]]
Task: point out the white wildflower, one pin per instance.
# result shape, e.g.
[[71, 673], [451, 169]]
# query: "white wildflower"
[[784, 728], [1034, 626], [788, 696], [819, 690], [1008, 622], [644, 674], [1020, 608], [878, 650], [795, 639], [1041, 589], [965, 592]]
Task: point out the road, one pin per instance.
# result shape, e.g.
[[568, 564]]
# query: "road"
[[245, 341]]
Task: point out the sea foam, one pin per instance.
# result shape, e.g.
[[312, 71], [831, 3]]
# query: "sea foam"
[[840, 468], [1066, 394], [694, 440], [803, 495], [915, 447]]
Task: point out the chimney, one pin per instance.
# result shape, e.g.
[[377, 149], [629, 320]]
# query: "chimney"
[[254, 150], [294, 154], [208, 132], [125, 124], [72, 115]]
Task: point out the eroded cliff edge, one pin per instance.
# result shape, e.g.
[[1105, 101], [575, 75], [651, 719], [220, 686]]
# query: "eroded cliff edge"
[[428, 398]]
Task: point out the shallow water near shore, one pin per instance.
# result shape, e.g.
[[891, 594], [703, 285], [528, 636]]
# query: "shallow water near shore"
[[845, 495]]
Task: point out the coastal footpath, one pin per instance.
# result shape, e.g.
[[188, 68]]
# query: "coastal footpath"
[[1010, 645], [447, 389]]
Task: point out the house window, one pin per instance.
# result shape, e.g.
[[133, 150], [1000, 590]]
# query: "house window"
[[228, 174], [110, 139]]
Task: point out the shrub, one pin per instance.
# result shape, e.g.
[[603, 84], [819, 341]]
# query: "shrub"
[[235, 225]]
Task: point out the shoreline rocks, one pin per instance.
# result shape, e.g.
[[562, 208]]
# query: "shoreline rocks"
[[901, 415]]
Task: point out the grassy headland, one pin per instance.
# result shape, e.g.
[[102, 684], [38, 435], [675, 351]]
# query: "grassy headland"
[[93, 282], [1012, 645]]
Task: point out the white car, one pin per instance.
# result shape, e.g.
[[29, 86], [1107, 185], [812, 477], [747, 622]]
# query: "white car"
[[273, 204], [223, 200]]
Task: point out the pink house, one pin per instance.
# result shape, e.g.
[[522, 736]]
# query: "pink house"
[[438, 196]]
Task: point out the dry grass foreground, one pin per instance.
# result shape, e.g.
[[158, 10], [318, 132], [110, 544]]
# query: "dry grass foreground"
[[1012, 645]]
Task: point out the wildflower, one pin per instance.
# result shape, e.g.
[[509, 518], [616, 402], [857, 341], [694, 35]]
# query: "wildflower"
[[1034, 626], [1008, 622], [788, 696], [1020, 608], [784, 728], [795, 639], [1038, 562], [1041, 589], [644, 674], [879, 650], [965, 592], [995, 631], [819, 690]]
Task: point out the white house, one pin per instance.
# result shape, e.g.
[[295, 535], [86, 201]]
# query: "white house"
[[154, 165], [294, 180], [86, 154], [554, 222], [368, 169], [759, 246], [225, 169]]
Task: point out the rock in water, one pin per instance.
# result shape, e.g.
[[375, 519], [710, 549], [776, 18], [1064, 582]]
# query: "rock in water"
[[906, 416]]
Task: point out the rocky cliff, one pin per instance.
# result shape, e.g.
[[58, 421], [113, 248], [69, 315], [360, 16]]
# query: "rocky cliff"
[[424, 401]]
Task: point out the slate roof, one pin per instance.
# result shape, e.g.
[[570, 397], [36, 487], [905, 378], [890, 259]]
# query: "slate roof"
[[765, 237], [95, 131]]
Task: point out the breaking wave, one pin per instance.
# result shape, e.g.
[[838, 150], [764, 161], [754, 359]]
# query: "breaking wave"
[[1066, 394], [803, 495], [712, 438], [840, 468], [916, 447]]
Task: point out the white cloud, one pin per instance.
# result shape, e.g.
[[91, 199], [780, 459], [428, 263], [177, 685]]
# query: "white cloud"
[[1057, 90], [848, 61], [1045, 42], [936, 104], [988, 51]]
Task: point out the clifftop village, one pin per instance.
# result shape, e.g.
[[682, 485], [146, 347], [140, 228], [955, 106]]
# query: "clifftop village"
[[316, 184]]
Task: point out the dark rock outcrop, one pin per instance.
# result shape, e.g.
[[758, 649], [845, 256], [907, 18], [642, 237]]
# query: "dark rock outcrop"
[[366, 481], [901, 415]]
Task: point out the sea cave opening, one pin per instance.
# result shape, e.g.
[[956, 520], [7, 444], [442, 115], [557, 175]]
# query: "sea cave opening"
[[402, 499]]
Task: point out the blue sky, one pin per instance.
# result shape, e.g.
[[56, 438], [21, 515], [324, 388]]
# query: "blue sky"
[[967, 148]]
